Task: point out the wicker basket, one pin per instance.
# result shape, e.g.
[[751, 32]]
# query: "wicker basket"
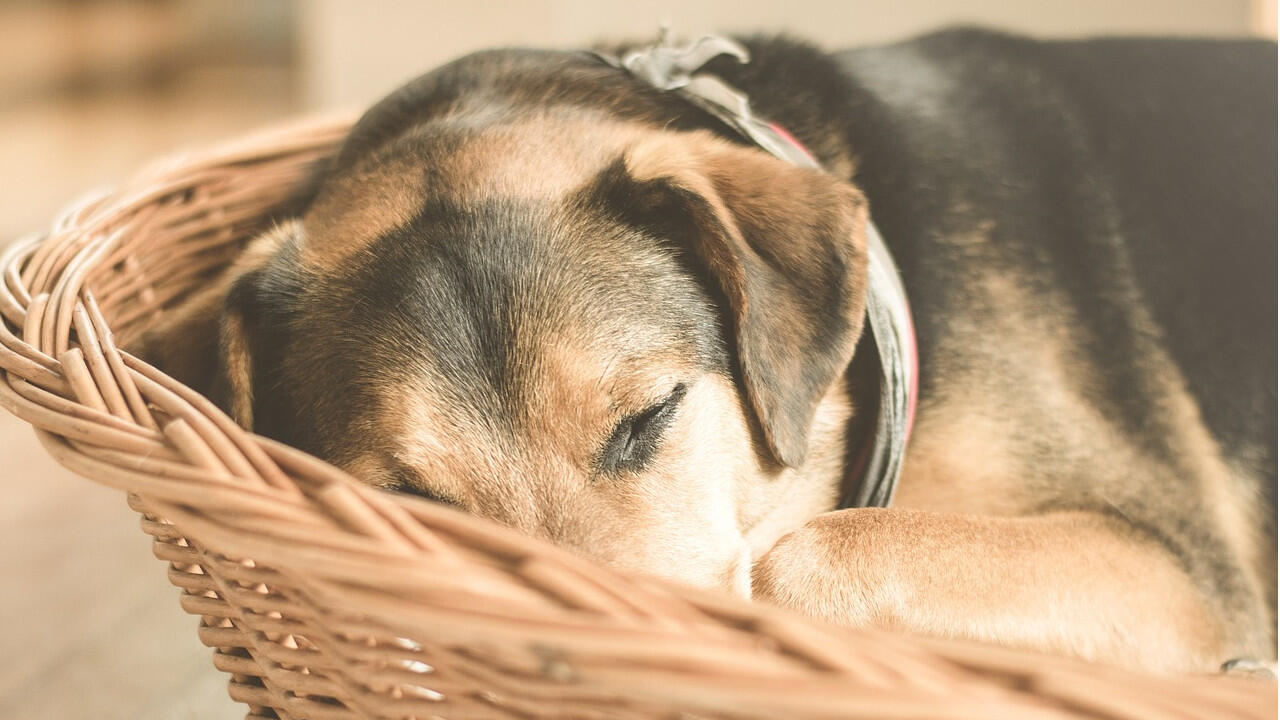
[[326, 599]]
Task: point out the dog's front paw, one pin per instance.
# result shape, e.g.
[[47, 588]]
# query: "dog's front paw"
[[807, 571]]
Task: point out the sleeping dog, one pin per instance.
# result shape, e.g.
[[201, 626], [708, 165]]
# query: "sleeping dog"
[[538, 287]]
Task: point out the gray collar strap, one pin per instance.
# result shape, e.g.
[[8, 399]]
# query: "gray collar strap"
[[875, 472]]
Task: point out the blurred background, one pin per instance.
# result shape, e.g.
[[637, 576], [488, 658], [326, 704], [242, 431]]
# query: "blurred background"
[[91, 89]]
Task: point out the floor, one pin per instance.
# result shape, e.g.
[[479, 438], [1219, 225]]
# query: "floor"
[[89, 626]]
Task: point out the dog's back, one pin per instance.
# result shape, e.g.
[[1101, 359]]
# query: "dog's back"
[[1115, 198], [1178, 141], [1185, 133]]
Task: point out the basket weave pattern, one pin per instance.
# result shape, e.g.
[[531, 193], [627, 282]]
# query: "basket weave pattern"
[[324, 598]]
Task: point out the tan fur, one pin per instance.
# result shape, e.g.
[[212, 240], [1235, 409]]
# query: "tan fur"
[[500, 162], [236, 365], [1063, 582], [354, 210], [509, 162]]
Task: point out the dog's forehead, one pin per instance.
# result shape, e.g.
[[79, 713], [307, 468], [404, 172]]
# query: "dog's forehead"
[[488, 291], [508, 318], [539, 156], [464, 160]]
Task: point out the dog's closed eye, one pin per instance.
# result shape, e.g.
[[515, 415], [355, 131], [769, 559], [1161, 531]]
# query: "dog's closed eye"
[[636, 439], [404, 483]]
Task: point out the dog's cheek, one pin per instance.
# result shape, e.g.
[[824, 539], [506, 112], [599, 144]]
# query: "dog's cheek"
[[693, 529], [738, 576]]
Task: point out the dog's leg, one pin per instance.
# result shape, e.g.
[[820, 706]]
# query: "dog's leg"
[[1076, 583]]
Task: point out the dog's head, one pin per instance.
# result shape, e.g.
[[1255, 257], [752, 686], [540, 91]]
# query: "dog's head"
[[628, 340]]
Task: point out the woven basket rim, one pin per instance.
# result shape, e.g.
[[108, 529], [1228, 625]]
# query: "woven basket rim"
[[345, 560]]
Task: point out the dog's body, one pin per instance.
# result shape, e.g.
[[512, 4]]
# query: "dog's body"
[[539, 289]]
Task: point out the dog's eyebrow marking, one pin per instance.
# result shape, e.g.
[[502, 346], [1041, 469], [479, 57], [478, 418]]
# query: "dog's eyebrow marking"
[[359, 206], [608, 370]]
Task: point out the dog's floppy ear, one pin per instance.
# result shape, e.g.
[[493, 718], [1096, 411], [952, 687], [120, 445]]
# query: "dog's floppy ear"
[[206, 343], [787, 248]]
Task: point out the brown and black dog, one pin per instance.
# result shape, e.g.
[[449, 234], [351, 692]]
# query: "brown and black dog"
[[537, 288]]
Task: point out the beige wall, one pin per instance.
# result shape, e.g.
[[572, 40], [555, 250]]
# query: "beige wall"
[[353, 52]]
